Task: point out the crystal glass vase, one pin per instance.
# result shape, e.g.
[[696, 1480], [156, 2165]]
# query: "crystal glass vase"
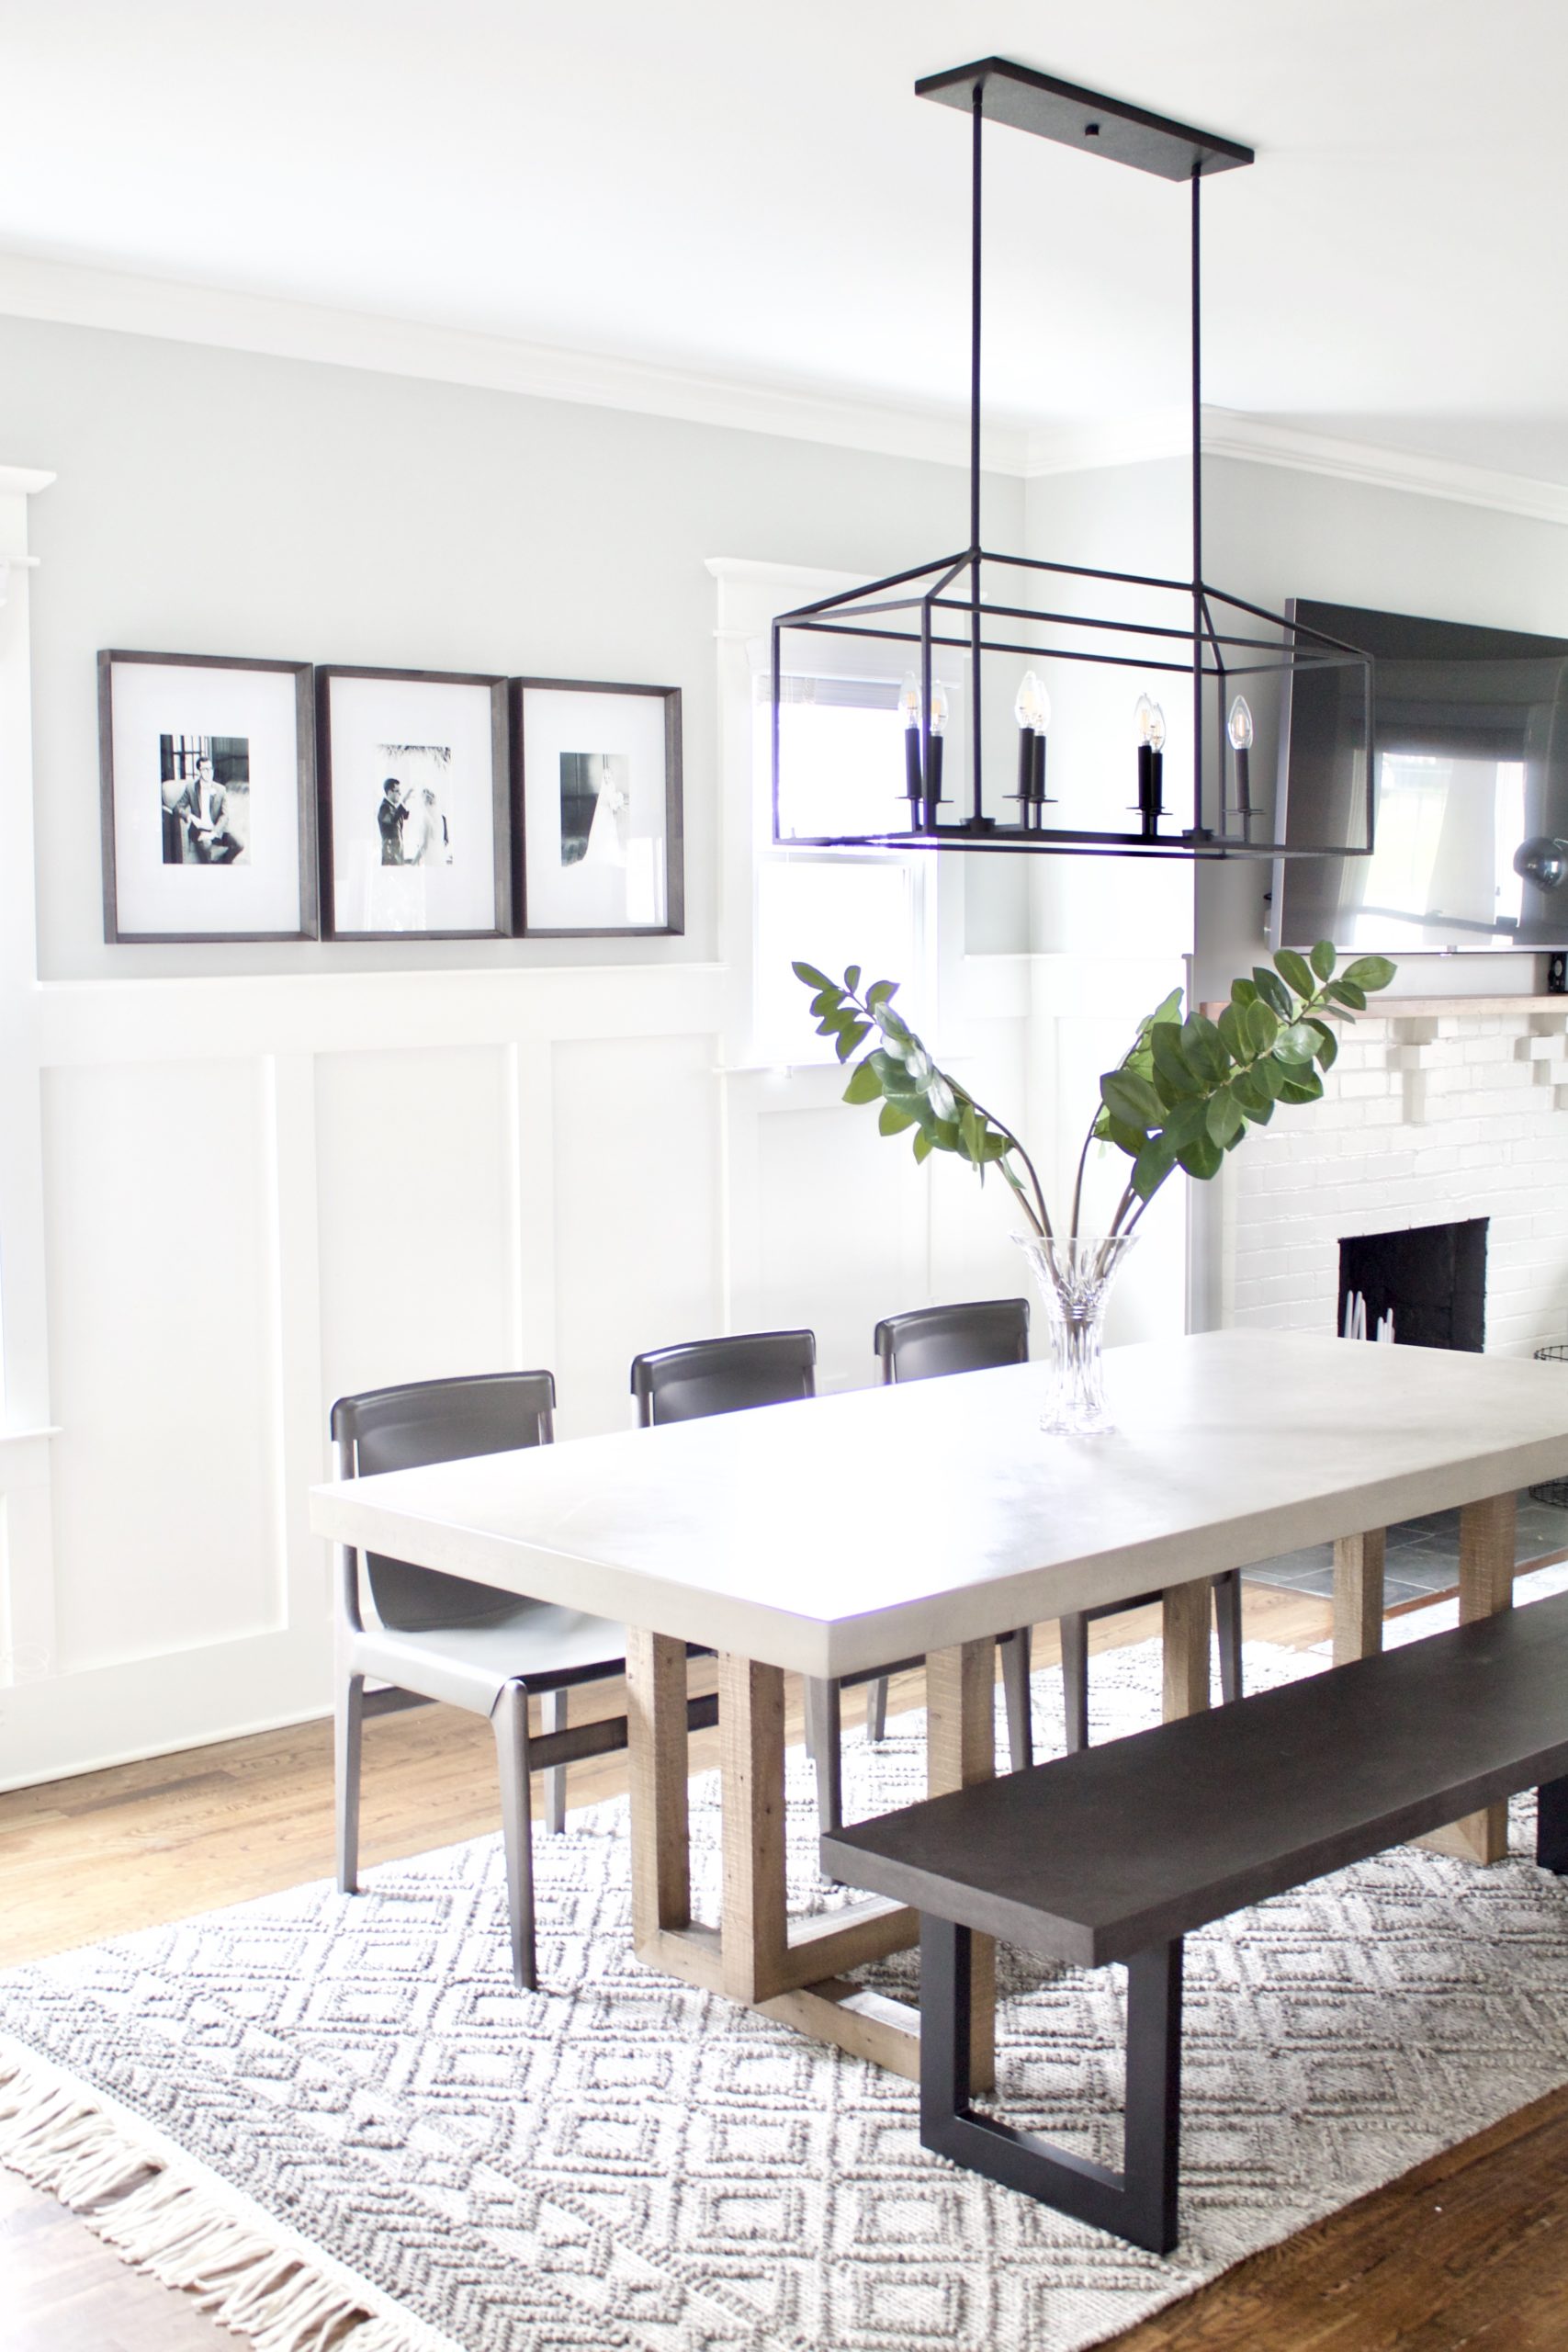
[[1074, 1274]]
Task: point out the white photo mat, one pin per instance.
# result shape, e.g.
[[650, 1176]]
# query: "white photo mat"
[[260, 885], [595, 816], [421, 858]]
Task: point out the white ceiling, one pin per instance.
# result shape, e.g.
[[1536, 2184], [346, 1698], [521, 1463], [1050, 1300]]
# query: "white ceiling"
[[754, 194]]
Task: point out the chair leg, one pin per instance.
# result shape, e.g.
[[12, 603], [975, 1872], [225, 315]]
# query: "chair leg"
[[348, 1718], [1014, 1648], [510, 1719], [1227, 1618], [822, 1704], [877, 1708], [1074, 1630], [552, 1714]]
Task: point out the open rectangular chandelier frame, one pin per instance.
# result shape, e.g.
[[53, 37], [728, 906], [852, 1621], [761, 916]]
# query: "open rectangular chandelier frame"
[[975, 600]]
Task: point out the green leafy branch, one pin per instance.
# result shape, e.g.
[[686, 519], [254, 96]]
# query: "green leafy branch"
[[1182, 1096], [901, 1076]]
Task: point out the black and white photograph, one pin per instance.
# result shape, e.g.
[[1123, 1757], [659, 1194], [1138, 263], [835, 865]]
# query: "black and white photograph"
[[205, 793], [208, 797], [598, 781], [415, 804]]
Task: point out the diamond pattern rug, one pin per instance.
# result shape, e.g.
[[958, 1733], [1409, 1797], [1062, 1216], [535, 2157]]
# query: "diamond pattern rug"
[[626, 2162]]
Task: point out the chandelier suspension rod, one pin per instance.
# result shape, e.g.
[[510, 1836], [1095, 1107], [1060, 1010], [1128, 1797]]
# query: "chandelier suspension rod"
[[977, 108], [1197, 498]]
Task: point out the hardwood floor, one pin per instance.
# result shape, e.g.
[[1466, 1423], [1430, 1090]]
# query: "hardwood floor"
[[1469, 2251]]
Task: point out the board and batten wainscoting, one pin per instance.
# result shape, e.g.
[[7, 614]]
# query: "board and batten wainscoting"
[[227, 1201]]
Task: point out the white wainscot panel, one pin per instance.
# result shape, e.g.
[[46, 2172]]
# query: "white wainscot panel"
[[416, 1160], [638, 1247], [843, 1233], [161, 1330]]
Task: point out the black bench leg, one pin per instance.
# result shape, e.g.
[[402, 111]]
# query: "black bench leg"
[[1551, 1826], [1138, 2203], [1228, 1620]]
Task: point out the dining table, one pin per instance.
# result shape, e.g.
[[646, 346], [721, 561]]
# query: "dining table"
[[830, 1535]]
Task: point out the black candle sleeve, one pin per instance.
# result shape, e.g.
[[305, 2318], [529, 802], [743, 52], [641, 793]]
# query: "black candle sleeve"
[[933, 780], [912, 784], [1146, 785], [1243, 778], [1037, 780], [1027, 739]]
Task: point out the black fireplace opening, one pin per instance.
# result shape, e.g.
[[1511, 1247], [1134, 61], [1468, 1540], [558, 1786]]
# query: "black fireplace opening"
[[1431, 1279]]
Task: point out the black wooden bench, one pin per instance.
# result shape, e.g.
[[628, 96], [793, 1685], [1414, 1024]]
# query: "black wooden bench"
[[1117, 1853]]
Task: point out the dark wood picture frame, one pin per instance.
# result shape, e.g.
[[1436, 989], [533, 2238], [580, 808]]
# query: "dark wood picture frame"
[[500, 794], [305, 764], [674, 924]]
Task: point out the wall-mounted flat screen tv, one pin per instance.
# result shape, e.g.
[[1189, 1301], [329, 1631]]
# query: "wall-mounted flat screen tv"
[[1469, 780]]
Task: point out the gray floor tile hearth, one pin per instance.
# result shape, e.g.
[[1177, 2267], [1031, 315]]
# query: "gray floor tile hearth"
[[1423, 1555]]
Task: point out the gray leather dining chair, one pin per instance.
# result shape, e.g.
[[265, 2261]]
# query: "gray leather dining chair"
[[727, 1376], [937, 1340], [445, 1638]]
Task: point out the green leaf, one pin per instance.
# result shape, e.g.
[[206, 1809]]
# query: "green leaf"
[[1262, 1026], [1346, 992], [1166, 1013], [1132, 1099], [1174, 1074], [1256, 1097], [1370, 972], [880, 992], [1295, 971], [1299, 1043], [945, 1134], [1323, 959], [851, 1039], [1225, 1118], [997, 1146], [852, 979], [826, 1000], [971, 1133], [1205, 1049], [864, 1086], [894, 1118], [1302, 1085], [1202, 1158], [1272, 1075], [1125, 1138], [924, 1144], [1243, 992], [1154, 1164], [1231, 1026], [812, 978], [1273, 992], [1328, 1045], [1186, 1125]]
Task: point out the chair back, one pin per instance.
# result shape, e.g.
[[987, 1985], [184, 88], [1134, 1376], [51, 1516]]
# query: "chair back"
[[439, 1420], [685, 1383], [933, 1341]]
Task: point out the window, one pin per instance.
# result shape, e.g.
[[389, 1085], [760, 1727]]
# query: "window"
[[842, 743]]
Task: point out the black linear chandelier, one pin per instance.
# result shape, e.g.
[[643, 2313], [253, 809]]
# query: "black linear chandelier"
[[982, 606]]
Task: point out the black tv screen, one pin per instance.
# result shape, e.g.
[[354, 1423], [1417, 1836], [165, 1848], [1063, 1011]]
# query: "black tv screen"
[[1469, 782]]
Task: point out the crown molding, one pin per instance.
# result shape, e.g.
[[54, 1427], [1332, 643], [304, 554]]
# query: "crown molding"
[[1227, 433], [69, 295]]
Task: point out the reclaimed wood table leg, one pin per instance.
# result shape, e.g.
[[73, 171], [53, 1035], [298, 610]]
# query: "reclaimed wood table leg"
[[961, 1750], [1358, 1595], [1186, 1610], [662, 1933], [1486, 1542]]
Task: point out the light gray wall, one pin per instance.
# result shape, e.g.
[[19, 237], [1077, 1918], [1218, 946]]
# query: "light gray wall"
[[216, 502]]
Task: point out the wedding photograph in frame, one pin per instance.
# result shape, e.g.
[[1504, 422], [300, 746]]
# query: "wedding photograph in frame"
[[415, 801], [207, 795], [599, 822]]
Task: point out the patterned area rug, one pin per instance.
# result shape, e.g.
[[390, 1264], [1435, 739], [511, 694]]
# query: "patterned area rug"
[[363, 2137]]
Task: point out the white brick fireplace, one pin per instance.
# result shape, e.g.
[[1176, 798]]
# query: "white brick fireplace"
[[1435, 1111]]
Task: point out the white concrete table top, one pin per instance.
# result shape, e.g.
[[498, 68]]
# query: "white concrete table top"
[[833, 1534]]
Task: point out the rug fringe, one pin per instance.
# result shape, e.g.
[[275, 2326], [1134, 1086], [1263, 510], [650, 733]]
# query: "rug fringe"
[[179, 2228]]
